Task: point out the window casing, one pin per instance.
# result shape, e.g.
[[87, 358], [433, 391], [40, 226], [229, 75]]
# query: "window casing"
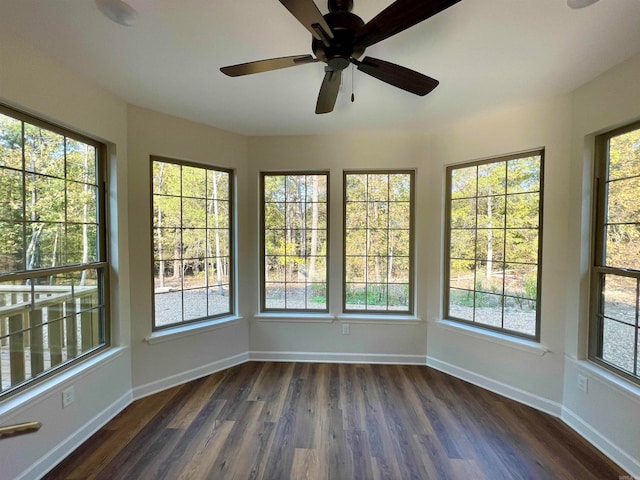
[[53, 255], [295, 230], [614, 333], [378, 261], [193, 242], [493, 246]]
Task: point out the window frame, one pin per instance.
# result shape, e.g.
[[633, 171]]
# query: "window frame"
[[297, 173], [447, 243], [598, 259], [102, 263], [232, 243], [410, 311]]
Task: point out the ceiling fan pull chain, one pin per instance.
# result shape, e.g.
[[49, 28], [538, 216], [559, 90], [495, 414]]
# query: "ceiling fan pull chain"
[[353, 97]]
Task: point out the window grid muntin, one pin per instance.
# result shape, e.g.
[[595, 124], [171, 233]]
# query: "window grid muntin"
[[180, 229], [601, 269], [408, 308], [81, 347], [285, 202], [534, 154]]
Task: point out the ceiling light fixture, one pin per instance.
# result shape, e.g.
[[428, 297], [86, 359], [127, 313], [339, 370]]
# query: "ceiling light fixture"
[[118, 11], [575, 4]]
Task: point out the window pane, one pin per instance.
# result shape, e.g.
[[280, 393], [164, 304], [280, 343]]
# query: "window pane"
[[378, 187], [618, 340], [520, 315], [11, 249], [463, 213], [624, 154], [44, 151], [11, 203], [274, 295], [622, 201], [523, 175], [317, 296], [464, 182], [462, 274], [295, 222], [10, 142], [192, 243], [355, 296], [81, 162], [620, 296], [622, 246], [494, 213], [461, 304], [492, 179]]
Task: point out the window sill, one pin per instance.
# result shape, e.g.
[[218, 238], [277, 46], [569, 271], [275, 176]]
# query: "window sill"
[[40, 391], [522, 344], [298, 317], [191, 329], [379, 319]]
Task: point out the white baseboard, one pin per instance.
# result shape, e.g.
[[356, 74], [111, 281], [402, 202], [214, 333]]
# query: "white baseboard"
[[189, 375], [522, 396], [614, 452], [329, 357], [63, 449]]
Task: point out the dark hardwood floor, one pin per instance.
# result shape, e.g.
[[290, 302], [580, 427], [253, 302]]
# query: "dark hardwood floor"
[[326, 421]]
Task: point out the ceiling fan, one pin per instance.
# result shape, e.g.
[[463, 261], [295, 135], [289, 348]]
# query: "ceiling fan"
[[340, 39]]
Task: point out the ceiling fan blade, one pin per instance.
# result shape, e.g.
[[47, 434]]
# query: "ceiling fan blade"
[[398, 76], [307, 13], [267, 65], [399, 16], [329, 91]]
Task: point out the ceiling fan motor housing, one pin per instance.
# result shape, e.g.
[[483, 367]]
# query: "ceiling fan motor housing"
[[344, 26]]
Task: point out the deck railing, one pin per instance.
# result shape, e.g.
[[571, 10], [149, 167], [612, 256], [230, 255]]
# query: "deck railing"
[[42, 327]]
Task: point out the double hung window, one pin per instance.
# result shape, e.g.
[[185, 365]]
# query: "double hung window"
[[53, 270], [615, 330]]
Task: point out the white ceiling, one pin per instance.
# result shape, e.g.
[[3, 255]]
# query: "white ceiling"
[[487, 54]]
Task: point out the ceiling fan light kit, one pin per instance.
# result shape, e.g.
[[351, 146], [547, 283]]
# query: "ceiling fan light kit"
[[340, 38]]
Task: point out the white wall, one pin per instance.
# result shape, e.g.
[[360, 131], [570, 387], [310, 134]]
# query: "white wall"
[[178, 359], [608, 414], [33, 83], [372, 340], [526, 374]]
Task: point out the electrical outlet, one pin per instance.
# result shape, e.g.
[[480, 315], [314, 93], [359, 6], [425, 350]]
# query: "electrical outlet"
[[583, 383], [346, 329], [68, 396]]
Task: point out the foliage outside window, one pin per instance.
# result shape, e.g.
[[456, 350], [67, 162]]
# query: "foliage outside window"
[[294, 241], [52, 249], [192, 242], [492, 263], [378, 240], [615, 331]]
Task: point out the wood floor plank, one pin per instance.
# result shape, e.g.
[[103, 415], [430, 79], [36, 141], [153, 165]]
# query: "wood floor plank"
[[306, 465], [276, 421]]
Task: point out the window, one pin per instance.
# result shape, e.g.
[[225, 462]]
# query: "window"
[[52, 249], [295, 221], [378, 240], [615, 332], [493, 243], [192, 242]]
